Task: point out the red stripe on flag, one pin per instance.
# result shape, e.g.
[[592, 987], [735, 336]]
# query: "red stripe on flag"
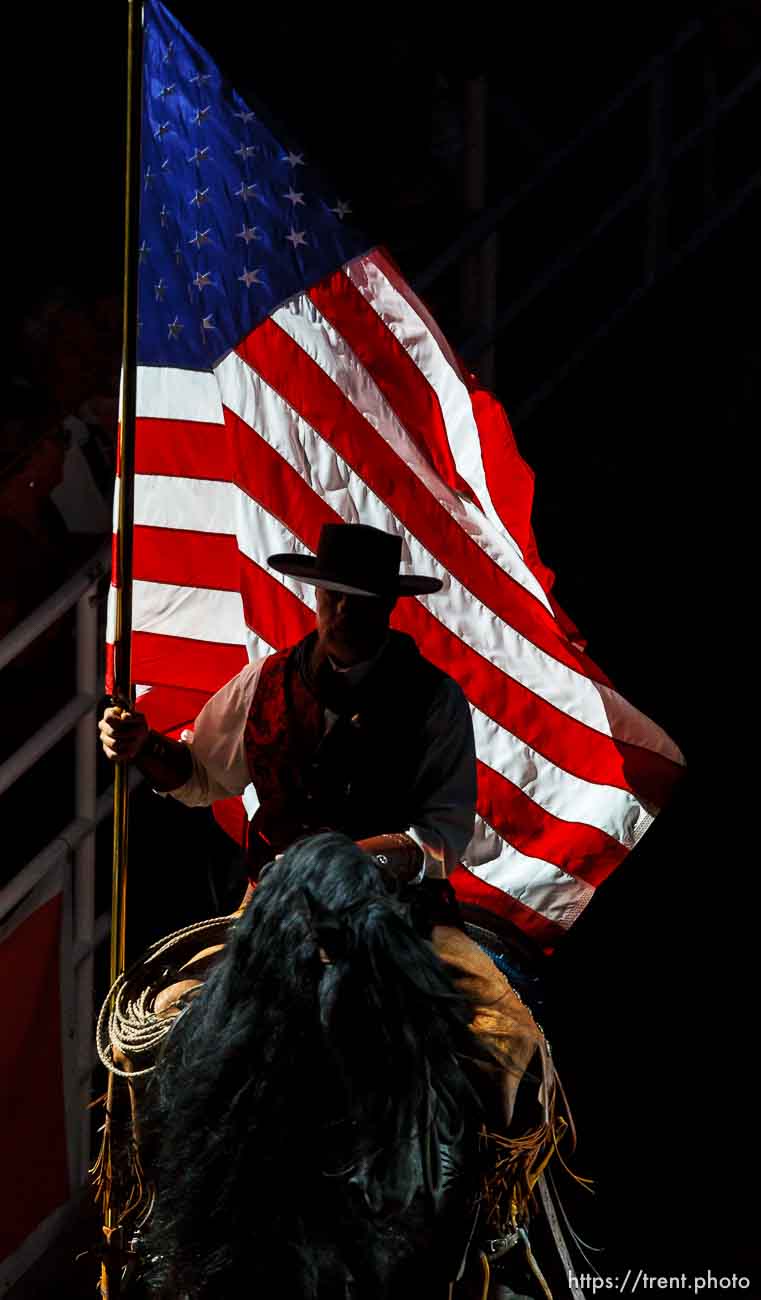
[[109, 668], [184, 447], [511, 487], [308, 390], [509, 479], [231, 815], [170, 710], [160, 660], [575, 847], [115, 577], [186, 559]]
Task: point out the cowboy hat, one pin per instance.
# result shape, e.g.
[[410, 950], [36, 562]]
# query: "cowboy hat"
[[357, 559]]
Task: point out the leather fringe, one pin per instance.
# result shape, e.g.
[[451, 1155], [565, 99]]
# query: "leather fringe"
[[513, 1164], [119, 1185]]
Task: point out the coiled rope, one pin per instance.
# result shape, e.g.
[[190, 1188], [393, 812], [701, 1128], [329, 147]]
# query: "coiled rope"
[[127, 1022]]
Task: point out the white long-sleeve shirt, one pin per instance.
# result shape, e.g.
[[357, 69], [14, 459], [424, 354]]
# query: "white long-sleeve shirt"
[[443, 824]]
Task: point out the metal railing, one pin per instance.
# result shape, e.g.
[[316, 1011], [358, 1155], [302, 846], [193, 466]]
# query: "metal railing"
[[74, 846]]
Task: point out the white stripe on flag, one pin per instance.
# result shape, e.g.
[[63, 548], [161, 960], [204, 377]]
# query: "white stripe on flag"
[[111, 617], [192, 612], [200, 505], [164, 393], [115, 511]]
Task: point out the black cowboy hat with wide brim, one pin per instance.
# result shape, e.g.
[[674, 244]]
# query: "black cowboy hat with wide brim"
[[357, 559]]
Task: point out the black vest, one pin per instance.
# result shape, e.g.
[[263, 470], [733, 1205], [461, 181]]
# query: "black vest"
[[358, 776]]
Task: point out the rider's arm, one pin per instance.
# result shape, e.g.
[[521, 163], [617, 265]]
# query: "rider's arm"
[[165, 762], [127, 738], [216, 748], [444, 795], [210, 764], [444, 791]]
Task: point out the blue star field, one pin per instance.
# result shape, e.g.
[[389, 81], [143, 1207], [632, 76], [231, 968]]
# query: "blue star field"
[[232, 221]]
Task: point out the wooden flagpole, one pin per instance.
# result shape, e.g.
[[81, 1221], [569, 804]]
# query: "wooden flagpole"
[[114, 1254]]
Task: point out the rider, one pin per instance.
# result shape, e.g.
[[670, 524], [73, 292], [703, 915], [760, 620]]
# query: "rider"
[[352, 729]]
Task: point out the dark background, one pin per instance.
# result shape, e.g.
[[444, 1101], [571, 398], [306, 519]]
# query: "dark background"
[[643, 498]]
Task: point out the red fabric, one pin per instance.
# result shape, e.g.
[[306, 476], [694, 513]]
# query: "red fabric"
[[32, 1114], [231, 815], [469, 888], [278, 739]]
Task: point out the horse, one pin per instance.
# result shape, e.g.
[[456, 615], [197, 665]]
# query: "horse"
[[315, 1122]]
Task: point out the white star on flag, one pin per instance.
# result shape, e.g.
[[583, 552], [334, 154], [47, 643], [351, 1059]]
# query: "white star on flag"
[[248, 233], [341, 209]]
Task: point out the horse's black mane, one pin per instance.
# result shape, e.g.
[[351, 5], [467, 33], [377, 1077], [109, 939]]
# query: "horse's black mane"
[[299, 1104]]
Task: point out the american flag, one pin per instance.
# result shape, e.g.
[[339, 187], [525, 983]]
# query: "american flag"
[[289, 377]]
